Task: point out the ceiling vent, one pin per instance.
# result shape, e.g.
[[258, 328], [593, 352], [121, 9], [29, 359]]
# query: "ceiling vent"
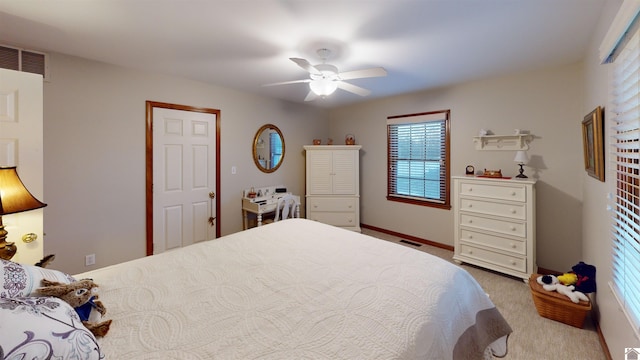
[[14, 58]]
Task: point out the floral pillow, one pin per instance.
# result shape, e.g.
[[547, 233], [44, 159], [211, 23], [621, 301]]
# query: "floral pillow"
[[44, 328], [22, 280]]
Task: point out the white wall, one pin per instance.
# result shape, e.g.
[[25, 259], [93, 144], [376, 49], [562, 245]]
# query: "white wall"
[[596, 223], [546, 102], [94, 154]]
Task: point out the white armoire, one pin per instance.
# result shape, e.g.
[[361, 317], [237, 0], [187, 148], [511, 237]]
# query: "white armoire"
[[333, 185]]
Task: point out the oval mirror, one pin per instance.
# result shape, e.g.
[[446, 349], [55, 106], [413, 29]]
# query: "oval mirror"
[[268, 148]]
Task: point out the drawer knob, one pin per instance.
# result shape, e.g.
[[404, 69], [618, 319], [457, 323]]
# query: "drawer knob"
[[513, 193], [513, 262], [470, 189], [350, 206], [513, 228], [470, 205], [350, 221], [470, 236], [513, 245], [470, 221], [470, 251], [315, 206], [513, 211]]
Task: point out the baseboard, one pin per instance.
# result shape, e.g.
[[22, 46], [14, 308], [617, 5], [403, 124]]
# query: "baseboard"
[[603, 342], [408, 237]]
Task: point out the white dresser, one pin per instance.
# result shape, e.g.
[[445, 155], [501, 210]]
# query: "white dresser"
[[495, 224], [333, 185]]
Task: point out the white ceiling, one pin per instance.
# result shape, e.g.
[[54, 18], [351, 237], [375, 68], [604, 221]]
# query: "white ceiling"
[[244, 44]]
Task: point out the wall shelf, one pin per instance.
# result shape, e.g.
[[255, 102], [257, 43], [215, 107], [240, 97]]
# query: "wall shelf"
[[503, 142]]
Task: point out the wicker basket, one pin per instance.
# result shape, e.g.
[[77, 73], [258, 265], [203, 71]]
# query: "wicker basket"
[[556, 306]]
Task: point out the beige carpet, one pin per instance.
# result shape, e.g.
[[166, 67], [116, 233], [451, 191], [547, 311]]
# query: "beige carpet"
[[533, 337]]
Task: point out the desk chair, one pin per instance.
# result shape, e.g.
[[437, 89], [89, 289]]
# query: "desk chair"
[[288, 207]]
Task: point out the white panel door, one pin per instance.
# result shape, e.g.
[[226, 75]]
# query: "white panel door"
[[21, 142], [184, 145]]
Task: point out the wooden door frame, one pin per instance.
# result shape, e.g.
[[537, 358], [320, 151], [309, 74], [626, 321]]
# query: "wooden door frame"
[[150, 105]]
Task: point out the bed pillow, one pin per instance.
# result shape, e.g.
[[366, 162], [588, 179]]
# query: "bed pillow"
[[22, 280], [44, 328]]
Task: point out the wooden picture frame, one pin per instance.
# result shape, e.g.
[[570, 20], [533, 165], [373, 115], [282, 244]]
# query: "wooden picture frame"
[[592, 139]]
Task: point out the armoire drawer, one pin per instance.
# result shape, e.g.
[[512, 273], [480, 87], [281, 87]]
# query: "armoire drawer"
[[346, 204], [494, 258], [503, 192], [496, 225], [510, 210], [344, 219], [517, 246]]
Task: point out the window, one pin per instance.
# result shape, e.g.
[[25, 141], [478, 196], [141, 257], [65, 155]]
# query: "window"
[[418, 158], [625, 156]]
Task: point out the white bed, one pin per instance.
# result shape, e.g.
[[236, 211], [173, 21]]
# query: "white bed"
[[296, 289]]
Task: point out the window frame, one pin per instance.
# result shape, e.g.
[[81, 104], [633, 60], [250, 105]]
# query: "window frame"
[[444, 202]]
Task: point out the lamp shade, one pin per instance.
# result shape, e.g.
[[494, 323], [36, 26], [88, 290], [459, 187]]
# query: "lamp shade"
[[323, 87], [521, 157], [14, 197]]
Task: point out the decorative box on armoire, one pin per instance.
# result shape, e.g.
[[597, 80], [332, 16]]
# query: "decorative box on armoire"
[[333, 185], [494, 224]]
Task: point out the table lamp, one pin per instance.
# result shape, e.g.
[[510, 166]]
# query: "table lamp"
[[521, 158], [14, 198]]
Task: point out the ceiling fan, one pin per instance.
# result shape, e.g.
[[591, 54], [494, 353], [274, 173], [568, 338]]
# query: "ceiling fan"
[[324, 78]]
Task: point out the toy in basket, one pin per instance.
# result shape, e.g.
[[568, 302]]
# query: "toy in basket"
[[560, 304]]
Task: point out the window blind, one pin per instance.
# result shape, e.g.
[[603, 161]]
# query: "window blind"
[[625, 156], [417, 150]]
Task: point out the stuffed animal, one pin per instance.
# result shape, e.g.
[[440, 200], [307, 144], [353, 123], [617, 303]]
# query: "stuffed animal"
[[82, 296], [551, 283], [46, 261], [586, 273], [568, 279]]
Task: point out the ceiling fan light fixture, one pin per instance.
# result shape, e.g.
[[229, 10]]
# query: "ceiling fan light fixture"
[[323, 87]]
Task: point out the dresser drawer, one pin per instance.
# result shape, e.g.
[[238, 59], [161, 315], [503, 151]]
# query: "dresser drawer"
[[347, 204], [344, 219], [496, 225], [513, 192], [497, 242], [513, 210], [488, 256]]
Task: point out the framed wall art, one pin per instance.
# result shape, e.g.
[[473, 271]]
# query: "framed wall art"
[[592, 139]]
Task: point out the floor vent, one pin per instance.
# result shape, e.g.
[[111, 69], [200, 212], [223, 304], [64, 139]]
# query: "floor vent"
[[410, 243], [18, 59]]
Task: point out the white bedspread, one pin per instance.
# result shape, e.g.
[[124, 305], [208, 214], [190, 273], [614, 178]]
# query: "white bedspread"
[[295, 289]]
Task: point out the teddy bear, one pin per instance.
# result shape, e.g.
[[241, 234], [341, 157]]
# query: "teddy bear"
[[82, 296], [551, 283]]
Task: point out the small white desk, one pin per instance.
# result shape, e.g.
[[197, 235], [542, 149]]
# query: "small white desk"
[[263, 204]]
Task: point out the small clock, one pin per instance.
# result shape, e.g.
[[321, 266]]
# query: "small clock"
[[470, 170]]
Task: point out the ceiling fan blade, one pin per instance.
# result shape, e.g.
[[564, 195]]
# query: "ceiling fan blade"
[[352, 88], [311, 96], [288, 82], [306, 65], [365, 73]]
